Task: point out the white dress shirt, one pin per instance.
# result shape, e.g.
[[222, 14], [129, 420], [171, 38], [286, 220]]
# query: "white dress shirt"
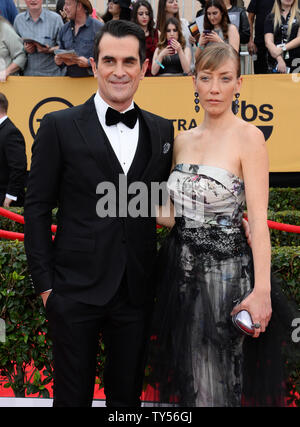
[[9, 196], [2, 119], [122, 139]]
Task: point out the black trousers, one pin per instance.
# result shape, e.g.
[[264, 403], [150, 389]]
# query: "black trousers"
[[75, 329], [261, 64]]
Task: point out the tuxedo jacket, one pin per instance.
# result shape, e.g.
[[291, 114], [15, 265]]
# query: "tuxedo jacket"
[[90, 254], [13, 163]]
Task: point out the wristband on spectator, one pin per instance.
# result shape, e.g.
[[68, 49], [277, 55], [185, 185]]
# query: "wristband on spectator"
[[200, 47], [160, 64]]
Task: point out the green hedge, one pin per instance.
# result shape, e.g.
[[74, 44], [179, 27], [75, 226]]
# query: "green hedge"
[[286, 265], [283, 238], [9, 225], [281, 199], [27, 350], [27, 346]]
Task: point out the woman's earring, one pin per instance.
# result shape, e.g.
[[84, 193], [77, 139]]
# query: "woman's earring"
[[196, 100], [236, 104]]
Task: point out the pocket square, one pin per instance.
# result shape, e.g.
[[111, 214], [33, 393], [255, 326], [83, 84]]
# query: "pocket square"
[[166, 147]]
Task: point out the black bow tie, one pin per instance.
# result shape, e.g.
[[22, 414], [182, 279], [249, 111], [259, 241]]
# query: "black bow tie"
[[113, 117]]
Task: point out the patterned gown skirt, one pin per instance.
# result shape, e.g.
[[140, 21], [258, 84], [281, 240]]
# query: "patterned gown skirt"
[[196, 356]]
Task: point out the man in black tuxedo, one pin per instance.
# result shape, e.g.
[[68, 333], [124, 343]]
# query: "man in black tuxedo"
[[13, 162], [95, 276]]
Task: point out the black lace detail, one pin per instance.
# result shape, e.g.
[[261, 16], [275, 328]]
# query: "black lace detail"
[[211, 241]]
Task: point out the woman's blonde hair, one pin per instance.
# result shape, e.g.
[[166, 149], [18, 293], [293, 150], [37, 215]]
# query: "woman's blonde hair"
[[277, 15], [215, 55]]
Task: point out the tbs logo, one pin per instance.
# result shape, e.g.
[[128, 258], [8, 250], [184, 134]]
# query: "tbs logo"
[[249, 113]]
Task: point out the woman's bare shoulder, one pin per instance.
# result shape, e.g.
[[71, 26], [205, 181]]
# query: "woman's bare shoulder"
[[188, 135], [250, 137], [184, 138], [248, 131]]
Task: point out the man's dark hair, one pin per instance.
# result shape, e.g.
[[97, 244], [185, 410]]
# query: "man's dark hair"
[[3, 103], [119, 29]]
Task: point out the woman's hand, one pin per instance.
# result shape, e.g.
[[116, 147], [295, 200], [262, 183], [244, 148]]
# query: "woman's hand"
[[203, 40], [258, 304], [213, 37], [194, 40], [176, 45], [247, 231], [281, 65], [167, 51]]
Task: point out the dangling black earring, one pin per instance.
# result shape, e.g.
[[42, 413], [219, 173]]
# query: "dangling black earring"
[[196, 100], [236, 104]]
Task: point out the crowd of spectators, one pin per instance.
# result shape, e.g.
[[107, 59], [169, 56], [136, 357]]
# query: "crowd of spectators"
[[40, 42]]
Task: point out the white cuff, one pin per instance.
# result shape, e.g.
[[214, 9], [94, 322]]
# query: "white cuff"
[[9, 196]]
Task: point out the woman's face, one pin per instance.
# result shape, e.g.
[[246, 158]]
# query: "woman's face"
[[114, 8], [143, 16], [172, 32], [172, 7], [214, 15], [217, 88]]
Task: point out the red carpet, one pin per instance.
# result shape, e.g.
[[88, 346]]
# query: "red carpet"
[[98, 394]]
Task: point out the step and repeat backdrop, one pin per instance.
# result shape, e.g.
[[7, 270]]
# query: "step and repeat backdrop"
[[270, 102]]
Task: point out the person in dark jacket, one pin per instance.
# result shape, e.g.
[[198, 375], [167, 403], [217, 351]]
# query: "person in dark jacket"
[[13, 163], [243, 23], [96, 277], [257, 13]]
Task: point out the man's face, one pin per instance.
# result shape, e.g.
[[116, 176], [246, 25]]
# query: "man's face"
[[118, 70], [34, 5], [70, 8]]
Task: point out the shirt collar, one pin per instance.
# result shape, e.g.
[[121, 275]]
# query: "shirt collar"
[[87, 23], [2, 119], [42, 15], [102, 106]]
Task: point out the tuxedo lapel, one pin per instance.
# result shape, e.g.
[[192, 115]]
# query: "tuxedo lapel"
[[96, 140], [155, 138]]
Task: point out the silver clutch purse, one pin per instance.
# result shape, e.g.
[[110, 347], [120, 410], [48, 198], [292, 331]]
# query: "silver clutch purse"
[[242, 320]]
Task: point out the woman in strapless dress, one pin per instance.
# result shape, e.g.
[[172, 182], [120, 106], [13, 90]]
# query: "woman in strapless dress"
[[197, 357]]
